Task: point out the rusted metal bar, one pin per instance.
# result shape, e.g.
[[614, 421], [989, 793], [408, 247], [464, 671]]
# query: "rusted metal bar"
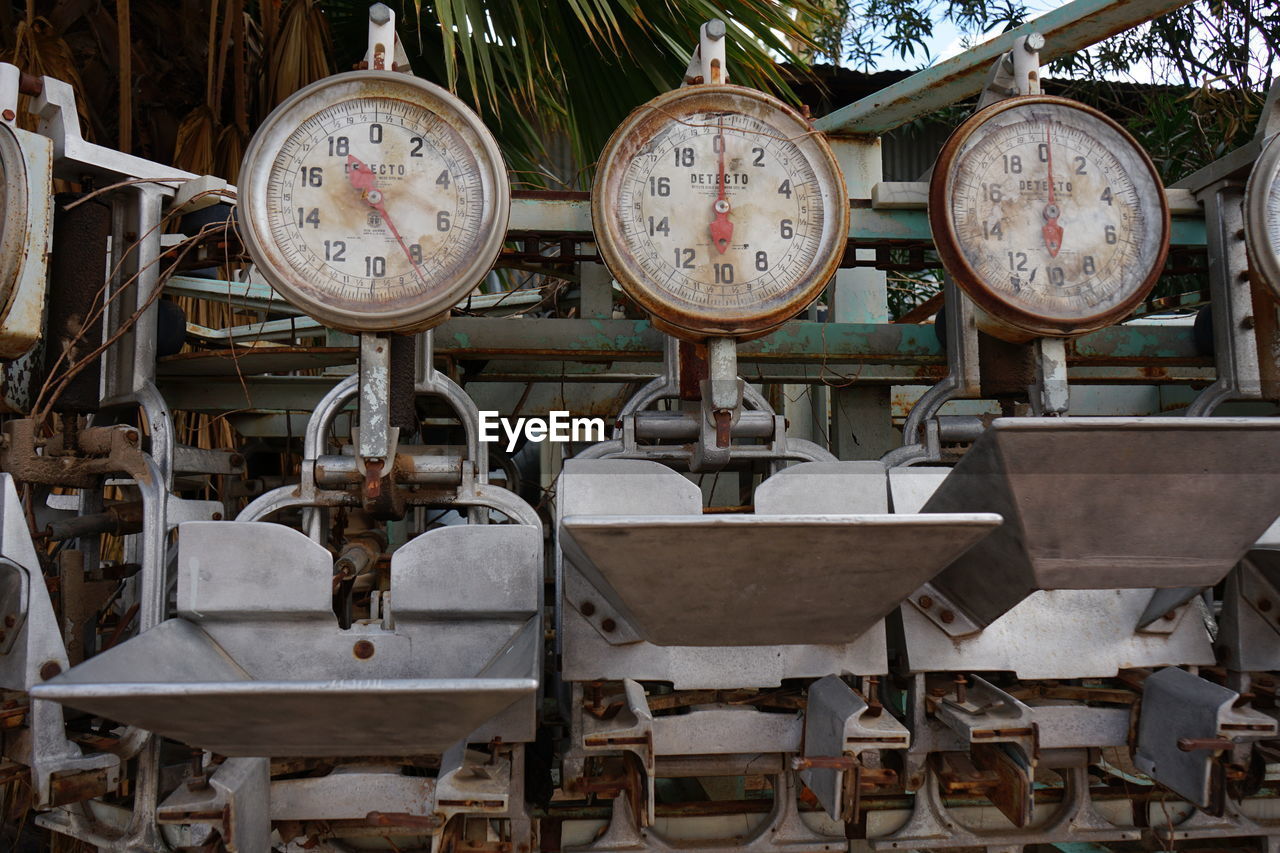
[[30, 84], [1212, 744]]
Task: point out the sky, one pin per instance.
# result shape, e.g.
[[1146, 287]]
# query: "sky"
[[947, 41]]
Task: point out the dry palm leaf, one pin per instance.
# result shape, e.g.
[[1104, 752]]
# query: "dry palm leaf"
[[193, 148], [228, 152], [38, 50], [300, 55]]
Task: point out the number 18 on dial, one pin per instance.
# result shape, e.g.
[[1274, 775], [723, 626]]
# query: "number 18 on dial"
[[1049, 216]]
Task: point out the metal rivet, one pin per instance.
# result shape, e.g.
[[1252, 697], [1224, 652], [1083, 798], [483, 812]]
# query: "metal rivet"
[[608, 625], [925, 601], [9, 115], [1170, 616], [587, 608], [947, 616], [49, 669], [363, 649], [217, 516]]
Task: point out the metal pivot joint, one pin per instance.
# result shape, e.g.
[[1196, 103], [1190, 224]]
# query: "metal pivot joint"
[[707, 65]]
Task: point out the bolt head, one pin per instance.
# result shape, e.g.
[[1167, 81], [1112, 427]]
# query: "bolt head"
[[363, 649], [947, 616], [49, 669], [379, 13], [715, 29], [1034, 42]]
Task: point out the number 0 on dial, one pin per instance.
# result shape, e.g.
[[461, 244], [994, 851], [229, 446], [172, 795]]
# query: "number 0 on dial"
[[374, 201], [1049, 216], [719, 211]]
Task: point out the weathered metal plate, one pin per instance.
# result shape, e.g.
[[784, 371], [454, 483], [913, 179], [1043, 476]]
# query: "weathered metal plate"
[[1068, 633], [13, 603], [742, 580], [250, 361], [1109, 503], [176, 681]]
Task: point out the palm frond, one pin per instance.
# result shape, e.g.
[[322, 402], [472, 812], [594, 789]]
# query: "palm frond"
[[575, 68]]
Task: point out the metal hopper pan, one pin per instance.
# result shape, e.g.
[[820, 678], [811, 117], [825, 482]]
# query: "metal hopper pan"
[[237, 677], [775, 577], [1108, 503]]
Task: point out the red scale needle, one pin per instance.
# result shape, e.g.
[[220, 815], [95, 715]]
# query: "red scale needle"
[[363, 179], [721, 227], [1052, 230]]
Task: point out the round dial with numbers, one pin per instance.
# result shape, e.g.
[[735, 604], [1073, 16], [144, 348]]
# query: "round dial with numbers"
[[374, 201], [1050, 217], [1262, 216], [13, 215], [720, 211]]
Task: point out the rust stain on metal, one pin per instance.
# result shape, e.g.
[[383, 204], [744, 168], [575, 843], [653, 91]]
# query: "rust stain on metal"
[[428, 822], [77, 787]]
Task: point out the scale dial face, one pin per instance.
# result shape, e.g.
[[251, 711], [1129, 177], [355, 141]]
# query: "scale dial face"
[[1049, 216], [720, 211], [374, 201], [1262, 216], [13, 215]]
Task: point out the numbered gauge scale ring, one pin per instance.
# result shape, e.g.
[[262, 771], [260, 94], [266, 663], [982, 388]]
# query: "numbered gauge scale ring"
[[1049, 216], [374, 201], [13, 215], [1262, 216], [720, 211]]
